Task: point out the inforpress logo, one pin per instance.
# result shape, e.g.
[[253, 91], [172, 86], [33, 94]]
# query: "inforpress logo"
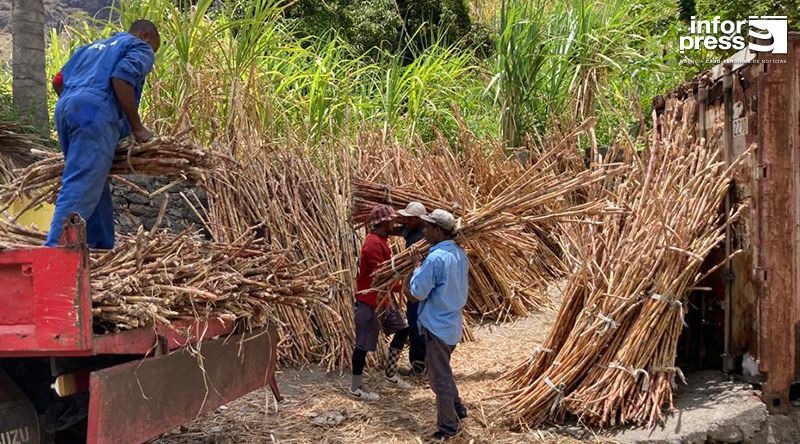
[[738, 34]]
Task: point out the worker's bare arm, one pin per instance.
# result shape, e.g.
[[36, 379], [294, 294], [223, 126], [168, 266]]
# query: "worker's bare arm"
[[407, 289], [126, 97]]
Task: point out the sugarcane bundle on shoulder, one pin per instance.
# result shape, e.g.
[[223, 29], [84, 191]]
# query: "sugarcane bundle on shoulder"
[[500, 222], [504, 275]]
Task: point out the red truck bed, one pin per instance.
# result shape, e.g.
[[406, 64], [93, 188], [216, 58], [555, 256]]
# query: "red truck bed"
[[46, 298]]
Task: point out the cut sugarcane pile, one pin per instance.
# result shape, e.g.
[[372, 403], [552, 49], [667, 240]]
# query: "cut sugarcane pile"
[[167, 156], [157, 277], [508, 269], [610, 358], [13, 235], [17, 150], [301, 206]]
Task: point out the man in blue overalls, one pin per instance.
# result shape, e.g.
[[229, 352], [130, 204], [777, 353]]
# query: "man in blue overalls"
[[98, 105]]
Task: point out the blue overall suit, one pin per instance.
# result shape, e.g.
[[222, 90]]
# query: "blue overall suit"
[[90, 123]]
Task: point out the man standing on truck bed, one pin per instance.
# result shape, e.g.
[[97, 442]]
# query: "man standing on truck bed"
[[99, 91]]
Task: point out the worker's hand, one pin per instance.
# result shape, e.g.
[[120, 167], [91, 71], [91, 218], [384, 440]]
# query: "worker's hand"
[[142, 134], [416, 256]]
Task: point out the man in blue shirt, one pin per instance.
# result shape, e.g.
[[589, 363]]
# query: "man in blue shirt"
[[97, 106], [439, 283]]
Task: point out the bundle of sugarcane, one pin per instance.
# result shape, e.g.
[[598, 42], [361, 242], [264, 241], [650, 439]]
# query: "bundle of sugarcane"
[[167, 156], [503, 282], [367, 194], [18, 148], [301, 207], [610, 358], [500, 224], [157, 277]]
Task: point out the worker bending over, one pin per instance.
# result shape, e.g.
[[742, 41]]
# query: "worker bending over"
[[439, 283], [373, 312], [99, 92]]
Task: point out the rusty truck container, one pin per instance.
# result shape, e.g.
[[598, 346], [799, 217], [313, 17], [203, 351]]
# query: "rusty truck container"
[[754, 306]]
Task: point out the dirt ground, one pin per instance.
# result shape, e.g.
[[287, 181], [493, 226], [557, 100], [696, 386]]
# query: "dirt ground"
[[318, 409]]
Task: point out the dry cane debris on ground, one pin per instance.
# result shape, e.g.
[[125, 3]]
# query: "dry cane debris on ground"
[[317, 408], [611, 357]]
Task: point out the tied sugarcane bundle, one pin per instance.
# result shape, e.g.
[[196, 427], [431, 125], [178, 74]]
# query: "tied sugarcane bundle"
[[610, 358], [503, 280], [500, 223], [168, 156]]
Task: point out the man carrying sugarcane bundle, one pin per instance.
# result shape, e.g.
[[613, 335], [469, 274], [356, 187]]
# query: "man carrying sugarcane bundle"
[[99, 91], [411, 231], [439, 283], [374, 311]]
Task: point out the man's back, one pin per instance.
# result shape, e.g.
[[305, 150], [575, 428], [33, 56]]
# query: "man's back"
[[91, 67]]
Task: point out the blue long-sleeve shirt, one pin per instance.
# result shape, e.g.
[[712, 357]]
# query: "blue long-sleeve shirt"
[[91, 68], [440, 283]]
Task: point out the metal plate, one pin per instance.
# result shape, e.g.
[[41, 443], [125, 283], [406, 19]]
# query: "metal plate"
[[140, 400]]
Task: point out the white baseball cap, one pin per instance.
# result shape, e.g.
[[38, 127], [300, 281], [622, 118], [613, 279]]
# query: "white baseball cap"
[[413, 209], [441, 218]]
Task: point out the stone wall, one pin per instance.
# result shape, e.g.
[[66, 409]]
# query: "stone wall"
[[132, 208]]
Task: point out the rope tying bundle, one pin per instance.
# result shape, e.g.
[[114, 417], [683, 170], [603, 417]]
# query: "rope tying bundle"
[[677, 370], [538, 350], [387, 195], [634, 372], [672, 302], [609, 323], [559, 389]]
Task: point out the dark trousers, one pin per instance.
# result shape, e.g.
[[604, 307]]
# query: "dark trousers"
[[440, 376], [416, 343]]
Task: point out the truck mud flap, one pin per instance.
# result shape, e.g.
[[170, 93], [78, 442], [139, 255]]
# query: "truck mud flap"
[[139, 400]]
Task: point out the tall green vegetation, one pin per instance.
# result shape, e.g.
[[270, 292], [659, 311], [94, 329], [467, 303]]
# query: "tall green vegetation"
[[245, 66], [235, 69], [561, 62]]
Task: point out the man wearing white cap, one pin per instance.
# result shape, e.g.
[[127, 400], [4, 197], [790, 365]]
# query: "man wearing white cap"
[[439, 283], [411, 230]]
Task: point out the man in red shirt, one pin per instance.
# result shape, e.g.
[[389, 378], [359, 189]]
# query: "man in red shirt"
[[374, 311]]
